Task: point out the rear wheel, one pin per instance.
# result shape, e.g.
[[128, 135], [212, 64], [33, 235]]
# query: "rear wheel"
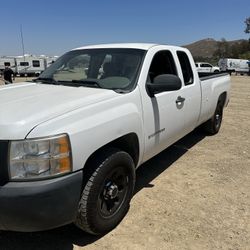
[[107, 193], [212, 126]]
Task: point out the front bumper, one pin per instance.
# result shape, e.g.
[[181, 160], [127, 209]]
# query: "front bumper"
[[40, 205]]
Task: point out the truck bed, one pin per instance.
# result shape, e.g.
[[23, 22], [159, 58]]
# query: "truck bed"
[[212, 86]]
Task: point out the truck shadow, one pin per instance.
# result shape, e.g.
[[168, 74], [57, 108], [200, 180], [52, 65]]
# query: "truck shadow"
[[64, 238], [158, 164]]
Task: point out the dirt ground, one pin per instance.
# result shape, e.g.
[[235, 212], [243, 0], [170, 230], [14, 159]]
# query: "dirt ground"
[[194, 195]]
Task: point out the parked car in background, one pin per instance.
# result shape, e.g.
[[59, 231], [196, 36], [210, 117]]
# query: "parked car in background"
[[233, 65], [205, 67]]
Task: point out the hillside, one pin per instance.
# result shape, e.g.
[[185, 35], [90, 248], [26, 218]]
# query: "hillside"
[[205, 48]]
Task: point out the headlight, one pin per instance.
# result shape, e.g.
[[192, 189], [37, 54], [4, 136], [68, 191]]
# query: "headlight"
[[39, 158]]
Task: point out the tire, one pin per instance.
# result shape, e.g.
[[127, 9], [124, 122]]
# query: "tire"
[[212, 126], [107, 193]]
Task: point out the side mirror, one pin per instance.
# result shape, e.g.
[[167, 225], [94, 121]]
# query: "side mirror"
[[163, 83]]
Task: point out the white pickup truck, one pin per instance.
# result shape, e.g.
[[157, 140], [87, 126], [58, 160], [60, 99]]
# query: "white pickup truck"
[[71, 140], [206, 67]]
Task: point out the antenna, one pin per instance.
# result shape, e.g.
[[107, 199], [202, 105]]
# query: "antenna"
[[21, 31]]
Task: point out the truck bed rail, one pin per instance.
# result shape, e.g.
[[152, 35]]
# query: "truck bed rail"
[[205, 76]]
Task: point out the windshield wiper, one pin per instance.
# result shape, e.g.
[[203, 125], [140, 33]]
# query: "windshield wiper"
[[90, 82], [120, 91], [87, 82], [46, 80]]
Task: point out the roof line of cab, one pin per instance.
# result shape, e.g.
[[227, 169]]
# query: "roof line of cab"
[[144, 46]]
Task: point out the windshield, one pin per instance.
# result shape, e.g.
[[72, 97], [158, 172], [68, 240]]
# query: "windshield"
[[115, 69]]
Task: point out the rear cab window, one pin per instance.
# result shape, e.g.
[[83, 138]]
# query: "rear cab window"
[[186, 68]]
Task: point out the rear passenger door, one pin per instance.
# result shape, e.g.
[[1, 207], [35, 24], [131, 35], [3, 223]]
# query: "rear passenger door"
[[191, 90]]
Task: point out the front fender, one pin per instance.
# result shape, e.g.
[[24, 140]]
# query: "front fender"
[[94, 126]]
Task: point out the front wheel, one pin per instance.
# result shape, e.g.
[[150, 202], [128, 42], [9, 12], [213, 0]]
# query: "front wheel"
[[107, 193]]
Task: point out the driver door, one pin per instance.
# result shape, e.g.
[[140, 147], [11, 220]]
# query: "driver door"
[[164, 116]]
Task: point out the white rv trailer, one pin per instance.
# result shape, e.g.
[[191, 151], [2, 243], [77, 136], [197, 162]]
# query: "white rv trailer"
[[234, 65], [27, 65], [30, 65]]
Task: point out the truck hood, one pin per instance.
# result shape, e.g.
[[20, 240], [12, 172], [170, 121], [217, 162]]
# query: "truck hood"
[[26, 105]]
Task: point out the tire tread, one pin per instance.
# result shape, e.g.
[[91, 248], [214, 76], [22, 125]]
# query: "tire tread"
[[83, 213]]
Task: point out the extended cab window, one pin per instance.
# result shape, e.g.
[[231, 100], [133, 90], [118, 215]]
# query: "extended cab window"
[[162, 63], [187, 72]]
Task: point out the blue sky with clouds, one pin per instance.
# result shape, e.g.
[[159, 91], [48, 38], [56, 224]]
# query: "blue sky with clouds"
[[53, 27]]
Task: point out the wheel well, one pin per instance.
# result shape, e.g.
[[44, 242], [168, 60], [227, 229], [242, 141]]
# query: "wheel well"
[[128, 143], [223, 98]]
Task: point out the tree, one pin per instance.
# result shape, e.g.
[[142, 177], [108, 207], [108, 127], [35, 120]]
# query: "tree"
[[223, 49], [247, 22]]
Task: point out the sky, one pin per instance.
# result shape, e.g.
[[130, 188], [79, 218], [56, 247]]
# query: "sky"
[[54, 27]]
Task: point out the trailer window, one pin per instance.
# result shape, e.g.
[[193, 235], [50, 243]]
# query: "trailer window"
[[24, 63], [187, 72], [7, 64], [36, 63]]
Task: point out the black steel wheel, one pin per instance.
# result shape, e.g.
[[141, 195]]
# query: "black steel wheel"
[[107, 193], [113, 192]]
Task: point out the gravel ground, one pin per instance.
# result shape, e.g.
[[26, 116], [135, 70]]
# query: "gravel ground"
[[194, 195]]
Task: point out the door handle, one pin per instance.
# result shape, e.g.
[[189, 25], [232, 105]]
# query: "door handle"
[[180, 100]]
